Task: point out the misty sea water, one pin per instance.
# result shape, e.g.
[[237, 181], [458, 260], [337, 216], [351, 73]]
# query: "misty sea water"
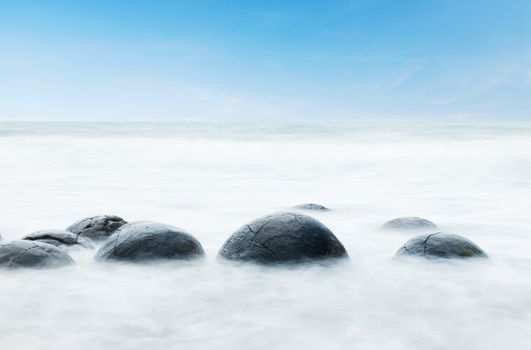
[[472, 179]]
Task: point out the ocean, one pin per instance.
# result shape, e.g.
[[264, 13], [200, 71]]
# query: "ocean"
[[472, 179]]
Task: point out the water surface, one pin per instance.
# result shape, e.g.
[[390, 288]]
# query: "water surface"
[[470, 179]]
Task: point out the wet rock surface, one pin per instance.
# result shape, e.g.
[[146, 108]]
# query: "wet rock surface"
[[97, 228], [32, 254], [311, 206], [58, 238], [146, 240], [409, 223], [441, 245], [283, 238]]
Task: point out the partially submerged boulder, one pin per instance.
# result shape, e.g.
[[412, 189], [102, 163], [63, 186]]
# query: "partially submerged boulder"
[[147, 241], [283, 238], [441, 245], [97, 228], [58, 238], [17, 254], [410, 223], [311, 206]]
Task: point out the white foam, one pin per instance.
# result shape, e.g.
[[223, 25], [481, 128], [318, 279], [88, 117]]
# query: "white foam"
[[473, 181]]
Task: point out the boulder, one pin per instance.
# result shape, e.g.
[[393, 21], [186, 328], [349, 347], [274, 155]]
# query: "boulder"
[[58, 238], [441, 245], [145, 240], [97, 228], [17, 254], [409, 224], [311, 206], [283, 238]]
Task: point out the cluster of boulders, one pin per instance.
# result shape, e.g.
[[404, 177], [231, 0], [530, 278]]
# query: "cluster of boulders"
[[49, 248], [281, 238]]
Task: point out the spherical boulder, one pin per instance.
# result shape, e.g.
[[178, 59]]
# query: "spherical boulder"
[[97, 228], [17, 254], [409, 224], [441, 245], [147, 241], [311, 206], [283, 238], [58, 238]]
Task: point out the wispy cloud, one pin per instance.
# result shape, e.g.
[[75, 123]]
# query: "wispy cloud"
[[400, 79], [211, 102], [483, 84]]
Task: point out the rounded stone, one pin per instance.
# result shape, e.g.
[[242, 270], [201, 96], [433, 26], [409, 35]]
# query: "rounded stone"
[[441, 245], [283, 238], [58, 238], [409, 223], [311, 206], [97, 228], [145, 240], [18, 254]]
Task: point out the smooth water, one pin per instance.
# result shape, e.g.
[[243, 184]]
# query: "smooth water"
[[473, 180]]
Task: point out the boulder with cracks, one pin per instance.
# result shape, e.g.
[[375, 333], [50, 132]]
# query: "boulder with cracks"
[[59, 238], [97, 228], [441, 245], [283, 238], [411, 223], [150, 241], [32, 254]]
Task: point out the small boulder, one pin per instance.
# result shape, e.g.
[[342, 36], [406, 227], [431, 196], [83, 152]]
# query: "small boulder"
[[441, 245], [409, 224], [17, 254], [283, 238], [97, 228], [58, 238], [145, 240], [311, 206]]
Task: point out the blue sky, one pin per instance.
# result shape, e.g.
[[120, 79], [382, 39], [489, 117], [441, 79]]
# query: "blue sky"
[[265, 60]]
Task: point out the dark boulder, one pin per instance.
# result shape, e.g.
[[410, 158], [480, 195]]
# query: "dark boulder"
[[145, 240], [34, 254], [311, 206], [441, 245], [409, 224], [283, 238], [97, 228], [58, 238]]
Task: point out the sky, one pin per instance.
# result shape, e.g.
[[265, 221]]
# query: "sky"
[[104, 60]]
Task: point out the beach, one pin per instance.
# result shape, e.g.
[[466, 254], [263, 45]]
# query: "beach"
[[472, 179]]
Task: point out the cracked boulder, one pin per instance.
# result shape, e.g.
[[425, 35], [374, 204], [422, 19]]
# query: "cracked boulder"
[[147, 241], [311, 206], [283, 238], [97, 228], [411, 223], [32, 254], [59, 238], [441, 245]]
